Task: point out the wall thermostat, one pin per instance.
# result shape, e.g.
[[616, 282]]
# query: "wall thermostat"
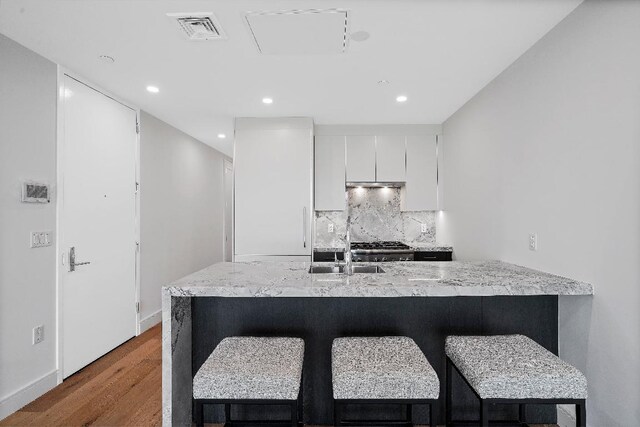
[[35, 192]]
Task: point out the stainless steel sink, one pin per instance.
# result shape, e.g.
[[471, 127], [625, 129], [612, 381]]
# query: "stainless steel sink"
[[326, 269]]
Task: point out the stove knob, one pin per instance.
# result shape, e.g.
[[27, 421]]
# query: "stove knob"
[[375, 259], [384, 259]]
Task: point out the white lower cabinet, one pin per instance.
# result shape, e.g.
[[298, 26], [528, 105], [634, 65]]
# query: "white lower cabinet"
[[273, 207]]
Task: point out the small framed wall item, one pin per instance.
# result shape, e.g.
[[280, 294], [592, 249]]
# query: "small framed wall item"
[[35, 192]]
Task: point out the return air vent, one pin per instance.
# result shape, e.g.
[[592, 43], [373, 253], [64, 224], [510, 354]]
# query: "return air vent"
[[299, 32], [199, 26]]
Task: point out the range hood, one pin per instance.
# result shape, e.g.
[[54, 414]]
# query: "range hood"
[[376, 184]]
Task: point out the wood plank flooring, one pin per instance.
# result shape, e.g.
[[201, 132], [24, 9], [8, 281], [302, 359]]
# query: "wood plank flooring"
[[122, 388]]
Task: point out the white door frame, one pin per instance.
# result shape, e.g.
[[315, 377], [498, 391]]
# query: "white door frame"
[[60, 251], [227, 163]]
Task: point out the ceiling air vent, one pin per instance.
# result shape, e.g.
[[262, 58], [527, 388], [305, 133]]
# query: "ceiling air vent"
[[199, 26]]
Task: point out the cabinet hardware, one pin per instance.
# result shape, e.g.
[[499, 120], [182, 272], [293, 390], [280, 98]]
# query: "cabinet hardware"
[[304, 226]]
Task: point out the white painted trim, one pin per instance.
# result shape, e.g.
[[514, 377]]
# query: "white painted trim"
[[226, 164], [566, 415], [58, 201], [150, 321], [27, 394], [60, 252]]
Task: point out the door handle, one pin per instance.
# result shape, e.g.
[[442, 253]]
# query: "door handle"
[[72, 260], [304, 226]]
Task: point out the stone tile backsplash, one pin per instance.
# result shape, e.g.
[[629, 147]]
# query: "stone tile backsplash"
[[375, 216]]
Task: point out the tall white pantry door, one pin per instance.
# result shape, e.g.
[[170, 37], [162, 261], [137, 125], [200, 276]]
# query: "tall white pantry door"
[[98, 224]]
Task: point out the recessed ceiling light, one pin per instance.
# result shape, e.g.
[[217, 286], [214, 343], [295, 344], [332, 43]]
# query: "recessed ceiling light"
[[401, 98], [222, 136], [106, 58], [267, 100], [153, 89]]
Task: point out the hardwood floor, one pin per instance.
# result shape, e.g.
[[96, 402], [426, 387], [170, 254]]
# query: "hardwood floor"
[[122, 388]]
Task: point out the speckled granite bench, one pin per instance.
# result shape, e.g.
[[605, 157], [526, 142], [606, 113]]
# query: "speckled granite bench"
[[251, 370], [381, 370], [513, 369]]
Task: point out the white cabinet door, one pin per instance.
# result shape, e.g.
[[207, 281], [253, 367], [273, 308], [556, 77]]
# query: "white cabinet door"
[[330, 173], [361, 158], [390, 158], [421, 189], [273, 206]]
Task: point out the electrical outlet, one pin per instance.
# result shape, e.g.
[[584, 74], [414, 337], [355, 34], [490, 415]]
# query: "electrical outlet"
[[423, 228], [330, 228], [41, 239], [533, 242], [38, 334]]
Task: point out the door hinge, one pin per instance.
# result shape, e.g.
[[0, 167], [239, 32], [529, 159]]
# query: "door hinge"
[[137, 246], [137, 127], [137, 307], [137, 187]]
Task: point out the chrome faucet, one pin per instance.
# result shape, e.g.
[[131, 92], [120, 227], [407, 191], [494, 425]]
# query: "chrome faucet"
[[348, 262]]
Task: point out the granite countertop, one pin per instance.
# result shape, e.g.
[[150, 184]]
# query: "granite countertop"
[[425, 248], [420, 279]]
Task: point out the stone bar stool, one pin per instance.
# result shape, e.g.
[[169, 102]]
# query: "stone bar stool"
[[251, 371], [381, 370], [513, 369]]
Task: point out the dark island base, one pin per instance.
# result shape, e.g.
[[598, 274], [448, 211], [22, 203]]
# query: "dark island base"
[[427, 320]]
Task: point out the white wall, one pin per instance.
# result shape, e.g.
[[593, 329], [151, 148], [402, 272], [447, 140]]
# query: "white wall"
[[27, 276], [553, 146], [181, 208], [181, 219]]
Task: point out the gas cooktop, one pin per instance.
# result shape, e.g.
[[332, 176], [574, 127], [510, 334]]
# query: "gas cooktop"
[[379, 245], [381, 251]]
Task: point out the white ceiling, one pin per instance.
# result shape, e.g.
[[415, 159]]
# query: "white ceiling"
[[439, 53]]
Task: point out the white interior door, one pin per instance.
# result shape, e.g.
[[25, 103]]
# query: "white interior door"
[[228, 212], [98, 219]]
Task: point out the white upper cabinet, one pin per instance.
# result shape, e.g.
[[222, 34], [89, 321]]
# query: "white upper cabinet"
[[407, 155], [273, 167], [420, 192], [390, 158], [330, 173], [361, 158]]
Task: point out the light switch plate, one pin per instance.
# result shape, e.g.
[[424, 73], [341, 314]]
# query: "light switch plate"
[[533, 242], [330, 228], [41, 239], [423, 228]]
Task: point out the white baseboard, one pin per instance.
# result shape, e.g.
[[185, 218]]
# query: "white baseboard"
[[27, 394], [566, 415], [150, 321]]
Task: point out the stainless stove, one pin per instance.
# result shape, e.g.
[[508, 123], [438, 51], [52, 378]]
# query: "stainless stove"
[[380, 251]]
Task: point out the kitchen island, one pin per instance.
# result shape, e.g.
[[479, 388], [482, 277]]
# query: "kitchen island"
[[425, 301]]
